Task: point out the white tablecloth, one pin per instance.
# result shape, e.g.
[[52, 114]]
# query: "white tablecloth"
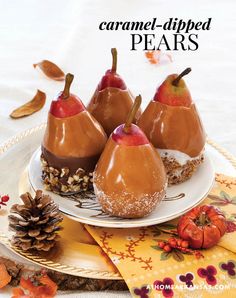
[[66, 32]]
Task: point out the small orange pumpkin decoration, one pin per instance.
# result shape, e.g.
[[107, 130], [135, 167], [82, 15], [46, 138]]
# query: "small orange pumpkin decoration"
[[203, 226]]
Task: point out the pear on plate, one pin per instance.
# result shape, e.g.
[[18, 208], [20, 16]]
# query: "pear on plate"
[[172, 124], [112, 100], [72, 144], [129, 179]]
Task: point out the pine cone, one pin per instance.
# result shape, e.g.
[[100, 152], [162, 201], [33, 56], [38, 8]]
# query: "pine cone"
[[36, 223]]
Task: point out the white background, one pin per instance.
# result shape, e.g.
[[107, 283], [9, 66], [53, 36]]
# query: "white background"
[[66, 32]]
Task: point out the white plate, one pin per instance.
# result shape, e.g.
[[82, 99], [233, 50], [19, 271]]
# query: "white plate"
[[15, 155], [179, 199]]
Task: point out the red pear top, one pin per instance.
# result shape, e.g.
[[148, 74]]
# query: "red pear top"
[[129, 134], [111, 78], [66, 104], [173, 91]]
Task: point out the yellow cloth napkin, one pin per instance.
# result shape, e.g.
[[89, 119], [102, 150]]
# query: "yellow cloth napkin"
[[150, 272]]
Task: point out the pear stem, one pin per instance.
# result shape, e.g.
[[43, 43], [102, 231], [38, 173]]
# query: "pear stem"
[[114, 59], [132, 114], [183, 73], [69, 79]]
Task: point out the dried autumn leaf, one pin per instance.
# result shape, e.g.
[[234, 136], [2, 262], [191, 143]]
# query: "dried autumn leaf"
[[51, 70], [5, 278], [158, 57], [46, 288], [30, 107], [49, 287], [18, 293]]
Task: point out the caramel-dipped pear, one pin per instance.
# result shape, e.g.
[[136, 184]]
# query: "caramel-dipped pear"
[[129, 179], [112, 100], [72, 144], [172, 124]]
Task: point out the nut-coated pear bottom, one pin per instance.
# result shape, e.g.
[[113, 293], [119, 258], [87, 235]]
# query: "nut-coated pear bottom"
[[178, 173]]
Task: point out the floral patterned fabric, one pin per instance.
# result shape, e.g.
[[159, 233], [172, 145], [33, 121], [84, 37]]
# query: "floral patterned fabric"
[[151, 272]]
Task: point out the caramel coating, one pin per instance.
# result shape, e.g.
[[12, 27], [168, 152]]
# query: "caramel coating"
[[76, 136], [129, 181], [176, 128], [110, 107]]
